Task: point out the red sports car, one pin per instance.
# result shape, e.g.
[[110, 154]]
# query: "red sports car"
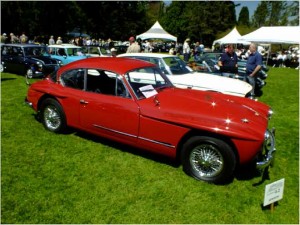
[[133, 102]]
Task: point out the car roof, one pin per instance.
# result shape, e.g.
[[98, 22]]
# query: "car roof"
[[23, 45], [64, 46], [117, 65], [152, 55]]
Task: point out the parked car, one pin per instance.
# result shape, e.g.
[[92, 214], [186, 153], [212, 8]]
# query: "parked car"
[[30, 60], [133, 102], [96, 51], [208, 63], [67, 53], [182, 76]]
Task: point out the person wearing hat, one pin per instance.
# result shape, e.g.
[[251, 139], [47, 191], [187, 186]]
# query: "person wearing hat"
[[186, 50], [134, 47], [228, 62], [4, 38], [113, 52]]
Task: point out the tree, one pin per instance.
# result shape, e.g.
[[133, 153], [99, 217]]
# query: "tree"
[[276, 13], [260, 14], [244, 17], [199, 20], [293, 10]]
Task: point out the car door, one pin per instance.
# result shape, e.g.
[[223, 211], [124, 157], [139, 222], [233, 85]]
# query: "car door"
[[105, 110], [14, 60]]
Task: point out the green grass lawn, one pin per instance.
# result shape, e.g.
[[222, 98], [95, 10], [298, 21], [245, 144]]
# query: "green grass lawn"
[[77, 178]]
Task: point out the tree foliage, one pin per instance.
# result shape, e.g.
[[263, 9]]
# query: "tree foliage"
[[275, 13], [244, 17], [199, 20]]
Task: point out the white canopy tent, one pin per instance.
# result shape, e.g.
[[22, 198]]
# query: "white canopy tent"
[[233, 37], [157, 32], [274, 35]]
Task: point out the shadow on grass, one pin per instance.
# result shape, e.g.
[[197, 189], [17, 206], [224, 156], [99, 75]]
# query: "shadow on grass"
[[129, 149], [246, 172], [7, 79]]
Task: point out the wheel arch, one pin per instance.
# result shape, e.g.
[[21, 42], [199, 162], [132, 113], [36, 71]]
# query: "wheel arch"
[[193, 133], [44, 97]]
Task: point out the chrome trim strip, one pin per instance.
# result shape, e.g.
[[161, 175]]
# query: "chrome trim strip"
[[134, 136], [115, 131], [157, 142]]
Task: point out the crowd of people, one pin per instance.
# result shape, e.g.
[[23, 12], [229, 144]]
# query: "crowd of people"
[[284, 58]]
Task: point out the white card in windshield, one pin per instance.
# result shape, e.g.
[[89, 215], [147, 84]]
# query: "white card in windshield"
[[148, 91]]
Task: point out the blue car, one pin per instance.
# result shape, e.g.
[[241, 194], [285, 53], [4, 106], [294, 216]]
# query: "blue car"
[[66, 53]]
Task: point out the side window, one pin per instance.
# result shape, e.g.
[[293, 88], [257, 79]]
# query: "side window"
[[17, 51], [105, 82], [73, 79], [5, 50], [61, 52], [52, 51]]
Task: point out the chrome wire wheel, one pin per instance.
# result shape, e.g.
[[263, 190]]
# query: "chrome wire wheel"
[[29, 74], [52, 118], [206, 160]]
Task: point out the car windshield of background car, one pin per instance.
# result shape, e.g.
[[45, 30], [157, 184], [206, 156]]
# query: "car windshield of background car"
[[177, 66], [151, 77]]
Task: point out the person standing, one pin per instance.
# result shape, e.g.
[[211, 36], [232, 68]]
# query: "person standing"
[[253, 66], [197, 51], [228, 62], [51, 40], [59, 41], [186, 50], [134, 47]]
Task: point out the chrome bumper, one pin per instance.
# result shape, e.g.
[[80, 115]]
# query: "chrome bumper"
[[268, 152]]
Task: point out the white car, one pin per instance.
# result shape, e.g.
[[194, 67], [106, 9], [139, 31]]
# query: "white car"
[[183, 76], [96, 51]]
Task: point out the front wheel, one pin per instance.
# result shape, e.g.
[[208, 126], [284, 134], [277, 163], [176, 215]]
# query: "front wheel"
[[28, 76], [1, 68], [208, 159], [53, 116]]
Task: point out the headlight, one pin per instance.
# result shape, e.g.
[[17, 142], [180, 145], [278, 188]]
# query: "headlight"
[[270, 113]]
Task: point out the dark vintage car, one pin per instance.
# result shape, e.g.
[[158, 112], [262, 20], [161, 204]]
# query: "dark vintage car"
[[133, 102], [30, 60]]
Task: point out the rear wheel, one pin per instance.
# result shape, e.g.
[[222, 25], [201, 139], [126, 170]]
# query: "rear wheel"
[[53, 116], [208, 159]]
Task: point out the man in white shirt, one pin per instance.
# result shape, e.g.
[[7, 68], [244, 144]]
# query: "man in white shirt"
[[186, 50]]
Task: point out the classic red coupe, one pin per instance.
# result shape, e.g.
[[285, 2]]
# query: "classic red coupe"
[[133, 102]]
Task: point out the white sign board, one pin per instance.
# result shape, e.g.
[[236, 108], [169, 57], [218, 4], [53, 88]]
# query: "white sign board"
[[148, 91], [274, 192]]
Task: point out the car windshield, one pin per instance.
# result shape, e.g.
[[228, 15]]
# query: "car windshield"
[[36, 51], [146, 82], [177, 66], [74, 51], [95, 50]]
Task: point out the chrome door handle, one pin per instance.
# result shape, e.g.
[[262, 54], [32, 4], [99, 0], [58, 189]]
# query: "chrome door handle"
[[83, 101]]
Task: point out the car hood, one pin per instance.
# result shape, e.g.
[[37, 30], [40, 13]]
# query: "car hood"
[[209, 111], [44, 59], [203, 81]]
